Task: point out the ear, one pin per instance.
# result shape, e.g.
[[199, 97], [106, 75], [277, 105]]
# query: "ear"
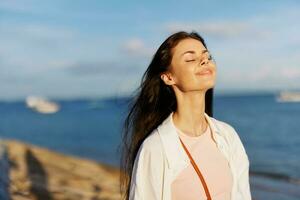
[[167, 78]]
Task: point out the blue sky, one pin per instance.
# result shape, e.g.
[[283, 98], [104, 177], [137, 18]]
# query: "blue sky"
[[73, 49]]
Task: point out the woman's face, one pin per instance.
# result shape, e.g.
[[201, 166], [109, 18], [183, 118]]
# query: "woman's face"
[[192, 68]]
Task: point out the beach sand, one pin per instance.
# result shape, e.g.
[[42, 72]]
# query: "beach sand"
[[36, 173]]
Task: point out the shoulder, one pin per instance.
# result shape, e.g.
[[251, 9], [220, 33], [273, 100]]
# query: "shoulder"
[[150, 153], [152, 144], [224, 128], [229, 133], [233, 139]]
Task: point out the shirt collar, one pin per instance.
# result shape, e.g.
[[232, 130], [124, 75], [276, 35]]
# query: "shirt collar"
[[174, 152]]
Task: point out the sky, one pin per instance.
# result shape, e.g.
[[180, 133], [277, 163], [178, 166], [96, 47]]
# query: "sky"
[[93, 49]]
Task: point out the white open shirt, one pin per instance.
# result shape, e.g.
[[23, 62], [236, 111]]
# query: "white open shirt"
[[161, 157]]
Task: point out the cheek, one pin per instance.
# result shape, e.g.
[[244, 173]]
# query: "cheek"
[[184, 73], [185, 77]]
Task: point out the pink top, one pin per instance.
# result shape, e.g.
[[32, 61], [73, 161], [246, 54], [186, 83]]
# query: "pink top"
[[213, 166]]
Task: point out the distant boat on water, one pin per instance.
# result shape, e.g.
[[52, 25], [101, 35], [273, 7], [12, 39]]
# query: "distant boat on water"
[[41, 105], [288, 96]]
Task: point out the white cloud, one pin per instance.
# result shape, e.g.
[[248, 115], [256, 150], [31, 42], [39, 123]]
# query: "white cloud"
[[136, 47], [35, 31], [103, 68], [16, 6], [291, 73], [220, 29], [260, 76], [66, 59]]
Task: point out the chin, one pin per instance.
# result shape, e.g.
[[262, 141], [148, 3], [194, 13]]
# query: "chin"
[[209, 86], [204, 88]]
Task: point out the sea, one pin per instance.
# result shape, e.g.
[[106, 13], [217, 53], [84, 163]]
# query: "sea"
[[91, 128]]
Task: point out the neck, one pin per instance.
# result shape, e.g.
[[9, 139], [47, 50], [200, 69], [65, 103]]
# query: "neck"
[[189, 116]]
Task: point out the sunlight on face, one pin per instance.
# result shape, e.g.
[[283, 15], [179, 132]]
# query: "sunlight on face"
[[192, 67]]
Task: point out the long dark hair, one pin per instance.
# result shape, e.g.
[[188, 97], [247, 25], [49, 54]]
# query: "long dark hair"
[[152, 103]]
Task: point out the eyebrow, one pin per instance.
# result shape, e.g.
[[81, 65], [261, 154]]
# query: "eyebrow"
[[191, 51]]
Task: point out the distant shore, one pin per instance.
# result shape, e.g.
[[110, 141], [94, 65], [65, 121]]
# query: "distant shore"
[[38, 173]]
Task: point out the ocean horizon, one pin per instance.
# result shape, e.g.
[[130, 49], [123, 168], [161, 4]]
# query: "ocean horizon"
[[91, 128]]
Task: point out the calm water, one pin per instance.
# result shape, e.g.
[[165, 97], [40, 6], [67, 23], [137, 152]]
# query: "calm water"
[[91, 129]]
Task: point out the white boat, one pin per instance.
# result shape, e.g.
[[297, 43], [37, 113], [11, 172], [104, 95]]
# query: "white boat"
[[288, 96], [41, 105]]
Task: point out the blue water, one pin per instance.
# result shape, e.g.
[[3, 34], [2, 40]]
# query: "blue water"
[[92, 128], [269, 130]]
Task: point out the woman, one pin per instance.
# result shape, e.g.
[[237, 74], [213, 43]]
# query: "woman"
[[172, 146]]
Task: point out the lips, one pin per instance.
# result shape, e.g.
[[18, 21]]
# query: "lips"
[[205, 72]]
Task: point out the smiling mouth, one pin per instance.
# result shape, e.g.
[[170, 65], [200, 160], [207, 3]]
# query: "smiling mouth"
[[205, 72]]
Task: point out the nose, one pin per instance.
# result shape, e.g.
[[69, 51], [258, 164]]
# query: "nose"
[[204, 61]]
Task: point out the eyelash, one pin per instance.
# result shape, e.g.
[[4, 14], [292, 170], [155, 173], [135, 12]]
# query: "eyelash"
[[209, 58]]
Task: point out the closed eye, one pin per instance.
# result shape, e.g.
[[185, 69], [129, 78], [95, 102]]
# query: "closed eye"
[[209, 58]]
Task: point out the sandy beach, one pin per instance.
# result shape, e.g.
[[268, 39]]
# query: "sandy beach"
[[37, 173]]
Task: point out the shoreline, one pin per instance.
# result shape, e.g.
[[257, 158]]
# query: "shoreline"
[[39, 173]]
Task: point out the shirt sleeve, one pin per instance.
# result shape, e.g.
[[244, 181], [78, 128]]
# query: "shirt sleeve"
[[147, 175], [241, 159]]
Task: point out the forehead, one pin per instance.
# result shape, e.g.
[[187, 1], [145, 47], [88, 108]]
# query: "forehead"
[[187, 45]]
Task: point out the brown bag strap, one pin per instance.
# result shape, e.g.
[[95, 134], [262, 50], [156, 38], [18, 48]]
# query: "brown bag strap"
[[198, 171]]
